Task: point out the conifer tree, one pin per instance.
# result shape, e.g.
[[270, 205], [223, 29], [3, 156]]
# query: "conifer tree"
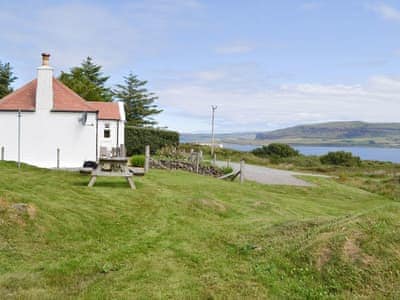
[[6, 79], [88, 81], [139, 102]]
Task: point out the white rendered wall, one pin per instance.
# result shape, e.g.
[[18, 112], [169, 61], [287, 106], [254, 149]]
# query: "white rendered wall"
[[42, 132], [117, 131], [117, 134]]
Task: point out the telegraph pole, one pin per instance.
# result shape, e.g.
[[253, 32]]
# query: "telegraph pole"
[[213, 107], [19, 138]]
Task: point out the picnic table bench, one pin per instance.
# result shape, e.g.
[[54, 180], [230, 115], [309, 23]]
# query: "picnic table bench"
[[112, 167]]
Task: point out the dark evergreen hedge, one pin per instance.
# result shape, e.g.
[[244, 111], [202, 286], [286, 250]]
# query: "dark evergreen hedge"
[[137, 138]]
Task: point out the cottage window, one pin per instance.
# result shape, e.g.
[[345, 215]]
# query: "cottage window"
[[107, 131]]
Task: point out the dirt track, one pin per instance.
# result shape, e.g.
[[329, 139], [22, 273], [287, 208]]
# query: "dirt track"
[[266, 175]]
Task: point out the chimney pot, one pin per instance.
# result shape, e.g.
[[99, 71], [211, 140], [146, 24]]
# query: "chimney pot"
[[45, 59]]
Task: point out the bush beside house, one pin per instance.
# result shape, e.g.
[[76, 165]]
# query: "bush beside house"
[[138, 160], [136, 139]]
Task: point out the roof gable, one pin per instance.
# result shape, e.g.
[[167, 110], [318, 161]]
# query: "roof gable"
[[21, 99], [107, 110], [64, 99]]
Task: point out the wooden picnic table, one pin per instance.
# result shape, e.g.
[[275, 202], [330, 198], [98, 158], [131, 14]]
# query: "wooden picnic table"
[[112, 167]]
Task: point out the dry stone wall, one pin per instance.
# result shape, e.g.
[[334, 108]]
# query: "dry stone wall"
[[186, 166]]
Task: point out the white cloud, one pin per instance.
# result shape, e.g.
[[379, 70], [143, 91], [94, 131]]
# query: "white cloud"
[[134, 31], [385, 11], [211, 75], [165, 6], [236, 48], [114, 35], [312, 5], [376, 100]]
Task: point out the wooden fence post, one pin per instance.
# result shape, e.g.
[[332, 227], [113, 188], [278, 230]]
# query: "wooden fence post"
[[2, 153], [215, 159], [197, 162], [58, 158], [192, 159], [122, 150], [147, 159], [242, 165]]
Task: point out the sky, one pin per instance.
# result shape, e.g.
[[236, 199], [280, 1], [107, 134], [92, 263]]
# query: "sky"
[[266, 64]]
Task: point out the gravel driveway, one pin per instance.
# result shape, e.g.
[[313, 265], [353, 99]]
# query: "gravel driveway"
[[266, 175]]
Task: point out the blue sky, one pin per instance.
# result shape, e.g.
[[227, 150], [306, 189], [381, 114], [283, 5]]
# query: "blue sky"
[[266, 64]]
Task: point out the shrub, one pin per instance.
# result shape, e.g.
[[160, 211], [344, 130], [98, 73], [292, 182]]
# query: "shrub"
[[341, 158], [137, 161], [172, 152], [136, 138], [309, 161], [276, 150], [227, 170]]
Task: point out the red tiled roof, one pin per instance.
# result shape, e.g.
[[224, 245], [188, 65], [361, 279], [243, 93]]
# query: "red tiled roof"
[[21, 99], [107, 110], [65, 99]]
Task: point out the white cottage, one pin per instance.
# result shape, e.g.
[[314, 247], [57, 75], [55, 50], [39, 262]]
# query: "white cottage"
[[44, 123]]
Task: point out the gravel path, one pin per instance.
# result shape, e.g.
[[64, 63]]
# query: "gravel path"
[[271, 176]]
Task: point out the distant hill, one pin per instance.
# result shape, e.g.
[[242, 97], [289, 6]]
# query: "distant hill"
[[337, 133], [235, 137], [335, 130], [325, 134]]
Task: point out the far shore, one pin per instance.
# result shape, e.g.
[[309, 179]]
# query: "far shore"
[[301, 143]]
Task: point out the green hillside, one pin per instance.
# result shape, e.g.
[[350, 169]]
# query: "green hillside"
[[234, 137], [338, 132], [180, 235], [332, 133]]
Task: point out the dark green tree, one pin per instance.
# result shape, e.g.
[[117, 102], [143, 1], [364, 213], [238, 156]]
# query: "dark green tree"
[[88, 81], [6, 79], [139, 102]]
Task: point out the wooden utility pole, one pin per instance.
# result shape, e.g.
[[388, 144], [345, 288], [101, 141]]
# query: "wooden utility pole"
[[147, 159], [242, 171], [19, 138], [197, 162], [58, 158], [213, 107]]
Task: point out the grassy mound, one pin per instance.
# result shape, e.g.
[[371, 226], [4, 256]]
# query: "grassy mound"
[[182, 235]]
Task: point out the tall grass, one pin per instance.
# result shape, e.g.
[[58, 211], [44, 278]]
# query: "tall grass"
[[181, 235]]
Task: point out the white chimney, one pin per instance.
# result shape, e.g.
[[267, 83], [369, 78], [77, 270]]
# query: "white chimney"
[[44, 89]]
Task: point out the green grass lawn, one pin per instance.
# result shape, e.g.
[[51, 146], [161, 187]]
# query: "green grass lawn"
[[181, 235]]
